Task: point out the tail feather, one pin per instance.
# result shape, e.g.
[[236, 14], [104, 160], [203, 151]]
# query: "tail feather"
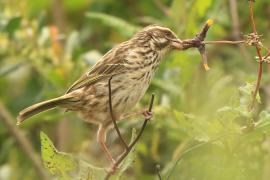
[[40, 107]]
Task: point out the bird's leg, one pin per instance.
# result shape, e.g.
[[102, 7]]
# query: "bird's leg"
[[101, 139]]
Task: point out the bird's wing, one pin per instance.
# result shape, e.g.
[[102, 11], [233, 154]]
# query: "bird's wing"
[[111, 64]]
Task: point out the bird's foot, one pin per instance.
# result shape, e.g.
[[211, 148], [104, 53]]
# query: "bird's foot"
[[147, 114]]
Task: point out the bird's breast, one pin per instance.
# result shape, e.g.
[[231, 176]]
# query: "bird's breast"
[[130, 86], [134, 85]]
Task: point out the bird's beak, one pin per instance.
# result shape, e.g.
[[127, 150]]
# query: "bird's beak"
[[177, 44]]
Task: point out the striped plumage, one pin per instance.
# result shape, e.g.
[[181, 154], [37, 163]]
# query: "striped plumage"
[[132, 65]]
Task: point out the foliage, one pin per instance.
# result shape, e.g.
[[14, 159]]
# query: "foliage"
[[67, 166], [202, 128], [56, 162]]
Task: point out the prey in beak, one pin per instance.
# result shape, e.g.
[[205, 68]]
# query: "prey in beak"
[[196, 42]]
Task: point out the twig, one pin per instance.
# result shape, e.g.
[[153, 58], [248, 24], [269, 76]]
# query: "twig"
[[267, 55], [131, 145], [258, 49], [198, 40], [253, 39], [112, 116], [224, 42], [251, 16], [198, 43], [22, 141], [144, 123]]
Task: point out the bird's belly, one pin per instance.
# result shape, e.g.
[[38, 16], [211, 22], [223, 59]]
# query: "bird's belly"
[[132, 91]]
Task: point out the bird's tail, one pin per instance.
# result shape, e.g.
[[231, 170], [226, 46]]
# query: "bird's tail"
[[42, 106]]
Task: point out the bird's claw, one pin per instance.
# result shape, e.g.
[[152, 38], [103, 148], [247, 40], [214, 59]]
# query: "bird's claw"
[[147, 114]]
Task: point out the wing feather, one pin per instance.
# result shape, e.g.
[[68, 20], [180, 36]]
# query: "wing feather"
[[112, 63]]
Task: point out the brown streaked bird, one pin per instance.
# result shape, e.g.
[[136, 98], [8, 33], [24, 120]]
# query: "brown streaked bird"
[[132, 65]]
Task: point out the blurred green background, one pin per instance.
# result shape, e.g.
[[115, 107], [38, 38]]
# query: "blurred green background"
[[199, 116]]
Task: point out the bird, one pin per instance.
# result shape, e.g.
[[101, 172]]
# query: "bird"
[[131, 65]]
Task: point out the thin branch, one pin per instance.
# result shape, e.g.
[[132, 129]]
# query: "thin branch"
[[253, 39], [112, 116], [127, 151], [251, 16], [197, 42], [258, 49], [144, 123], [129, 147], [22, 141], [224, 42], [267, 55], [258, 83]]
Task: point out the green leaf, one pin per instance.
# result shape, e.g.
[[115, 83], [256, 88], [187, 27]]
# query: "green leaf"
[[13, 24], [246, 93], [123, 27], [239, 104], [264, 119], [192, 128], [58, 163], [90, 172]]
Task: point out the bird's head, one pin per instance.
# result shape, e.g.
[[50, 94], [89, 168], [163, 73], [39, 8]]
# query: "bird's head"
[[158, 37]]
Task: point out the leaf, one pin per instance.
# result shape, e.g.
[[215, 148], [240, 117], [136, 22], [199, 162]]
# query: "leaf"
[[264, 119], [123, 27], [13, 24], [191, 127], [246, 93], [245, 99], [90, 172], [58, 163]]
